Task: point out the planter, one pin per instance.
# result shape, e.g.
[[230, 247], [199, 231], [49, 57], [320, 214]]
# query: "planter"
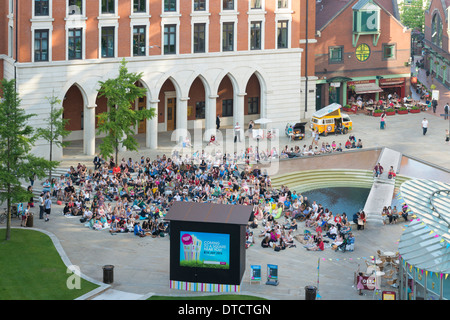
[[376, 114], [347, 109], [414, 111], [402, 112], [392, 113]]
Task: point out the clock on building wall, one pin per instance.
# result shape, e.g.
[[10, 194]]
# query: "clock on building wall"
[[362, 52]]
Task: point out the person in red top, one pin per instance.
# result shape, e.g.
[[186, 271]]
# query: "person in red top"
[[319, 245], [116, 170]]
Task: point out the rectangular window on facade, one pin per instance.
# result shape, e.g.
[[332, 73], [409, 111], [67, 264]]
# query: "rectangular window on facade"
[[41, 45], [255, 4], [139, 41], [388, 51], [228, 4], [255, 35], [200, 110], [170, 38], [335, 54], [253, 105], [199, 37], [108, 6], [139, 6], [282, 34], [199, 5], [75, 44], [75, 7], [283, 4], [227, 108], [41, 7], [107, 42], [228, 36], [170, 5]]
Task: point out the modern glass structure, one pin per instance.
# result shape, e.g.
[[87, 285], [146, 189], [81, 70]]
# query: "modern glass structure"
[[424, 246]]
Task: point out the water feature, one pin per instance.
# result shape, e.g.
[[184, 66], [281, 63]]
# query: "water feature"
[[339, 199]]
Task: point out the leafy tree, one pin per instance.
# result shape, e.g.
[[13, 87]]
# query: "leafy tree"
[[56, 127], [412, 14], [119, 121], [17, 138]]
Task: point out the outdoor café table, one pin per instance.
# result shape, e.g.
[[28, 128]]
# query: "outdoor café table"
[[389, 254], [370, 111]]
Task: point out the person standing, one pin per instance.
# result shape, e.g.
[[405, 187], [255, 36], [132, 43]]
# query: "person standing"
[[447, 136], [47, 207], [424, 126], [383, 120], [434, 105], [41, 206], [237, 132], [217, 122], [446, 109]]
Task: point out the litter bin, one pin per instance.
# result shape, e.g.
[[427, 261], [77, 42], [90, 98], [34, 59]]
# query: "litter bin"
[[30, 221], [310, 293], [108, 274]]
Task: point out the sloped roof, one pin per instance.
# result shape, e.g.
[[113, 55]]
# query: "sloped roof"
[[327, 10]]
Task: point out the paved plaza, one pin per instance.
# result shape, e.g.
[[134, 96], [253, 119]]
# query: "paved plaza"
[[141, 265]]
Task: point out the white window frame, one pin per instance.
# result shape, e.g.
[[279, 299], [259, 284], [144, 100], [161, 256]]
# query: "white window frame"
[[146, 24], [287, 18], [116, 8], [116, 27], [176, 22], [263, 22], [170, 12], [200, 12], [42, 26], [234, 35], [263, 6], [198, 21], [50, 11]]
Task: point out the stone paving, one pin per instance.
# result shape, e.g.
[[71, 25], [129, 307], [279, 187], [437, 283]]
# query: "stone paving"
[[142, 264]]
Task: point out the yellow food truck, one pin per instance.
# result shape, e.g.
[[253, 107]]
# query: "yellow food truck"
[[330, 120]]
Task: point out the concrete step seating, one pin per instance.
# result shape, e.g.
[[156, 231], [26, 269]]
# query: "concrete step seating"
[[314, 179]]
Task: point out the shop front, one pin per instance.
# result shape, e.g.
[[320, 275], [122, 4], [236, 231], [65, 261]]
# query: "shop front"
[[393, 86]]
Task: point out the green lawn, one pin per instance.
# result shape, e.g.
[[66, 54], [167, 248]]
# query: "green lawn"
[[33, 270]]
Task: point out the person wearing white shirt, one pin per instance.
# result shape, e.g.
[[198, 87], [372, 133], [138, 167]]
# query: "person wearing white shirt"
[[424, 126]]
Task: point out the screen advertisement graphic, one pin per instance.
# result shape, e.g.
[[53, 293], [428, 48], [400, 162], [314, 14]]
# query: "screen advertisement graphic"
[[204, 250]]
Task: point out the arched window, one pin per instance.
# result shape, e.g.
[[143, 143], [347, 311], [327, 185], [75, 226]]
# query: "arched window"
[[436, 30]]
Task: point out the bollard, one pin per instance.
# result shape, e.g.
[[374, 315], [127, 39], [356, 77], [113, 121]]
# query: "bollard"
[[310, 293], [108, 274]]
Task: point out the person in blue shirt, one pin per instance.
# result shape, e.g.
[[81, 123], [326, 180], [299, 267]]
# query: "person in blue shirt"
[[138, 230]]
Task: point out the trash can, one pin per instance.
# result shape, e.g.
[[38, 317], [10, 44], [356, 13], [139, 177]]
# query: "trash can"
[[108, 274], [310, 293], [30, 221]]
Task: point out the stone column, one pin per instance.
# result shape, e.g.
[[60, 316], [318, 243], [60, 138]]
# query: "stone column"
[[151, 134], [181, 119], [210, 116], [89, 130], [238, 112]]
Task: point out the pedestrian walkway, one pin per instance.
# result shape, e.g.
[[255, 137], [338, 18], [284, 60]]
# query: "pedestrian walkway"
[[382, 190]]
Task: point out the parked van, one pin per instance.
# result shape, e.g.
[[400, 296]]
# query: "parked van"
[[330, 120]]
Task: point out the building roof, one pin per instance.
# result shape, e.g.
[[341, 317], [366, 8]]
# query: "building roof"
[[425, 242], [327, 10], [326, 110], [209, 212]]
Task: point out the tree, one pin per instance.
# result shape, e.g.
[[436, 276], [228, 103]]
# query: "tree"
[[17, 138], [56, 127], [119, 121], [412, 14]]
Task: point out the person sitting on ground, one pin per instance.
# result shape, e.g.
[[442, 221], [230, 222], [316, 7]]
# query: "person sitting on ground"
[[359, 144], [378, 170], [391, 173], [319, 245], [348, 144]]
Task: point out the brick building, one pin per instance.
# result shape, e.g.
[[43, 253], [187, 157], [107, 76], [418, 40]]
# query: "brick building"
[[437, 45], [240, 59], [362, 49]]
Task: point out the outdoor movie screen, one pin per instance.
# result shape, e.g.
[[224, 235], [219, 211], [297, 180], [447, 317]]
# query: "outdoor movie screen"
[[204, 250]]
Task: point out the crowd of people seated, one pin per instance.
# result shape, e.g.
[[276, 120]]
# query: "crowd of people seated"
[[134, 196]]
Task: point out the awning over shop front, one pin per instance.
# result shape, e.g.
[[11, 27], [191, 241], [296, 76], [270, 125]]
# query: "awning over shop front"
[[371, 87]]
